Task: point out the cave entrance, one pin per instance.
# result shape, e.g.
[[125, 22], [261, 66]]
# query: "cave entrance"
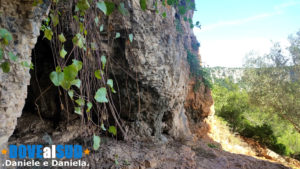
[[44, 110], [43, 97]]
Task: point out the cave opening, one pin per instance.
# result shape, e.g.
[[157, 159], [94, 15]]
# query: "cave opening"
[[44, 110], [42, 97]]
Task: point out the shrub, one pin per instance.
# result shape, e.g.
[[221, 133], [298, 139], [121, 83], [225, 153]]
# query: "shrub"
[[200, 73]]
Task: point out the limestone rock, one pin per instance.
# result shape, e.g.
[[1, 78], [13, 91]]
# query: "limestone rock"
[[23, 21]]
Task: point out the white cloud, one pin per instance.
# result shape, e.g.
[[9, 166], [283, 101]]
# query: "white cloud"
[[286, 5], [230, 53]]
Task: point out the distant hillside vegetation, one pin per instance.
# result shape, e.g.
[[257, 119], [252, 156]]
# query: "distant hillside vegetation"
[[233, 74]]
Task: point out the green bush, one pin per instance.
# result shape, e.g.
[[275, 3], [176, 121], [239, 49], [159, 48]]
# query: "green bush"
[[264, 135], [200, 73], [232, 105]]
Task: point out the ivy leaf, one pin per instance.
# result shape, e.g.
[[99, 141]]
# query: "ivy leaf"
[[118, 35], [101, 28], [78, 40], [47, 20], [76, 18], [112, 130], [5, 67], [89, 106], [1, 54], [103, 61], [94, 46], [130, 37], [96, 144], [55, 19], [122, 9], [83, 5], [81, 26], [26, 64], [143, 4], [76, 82], [110, 7], [102, 6], [70, 72], [48, 34], [182, 10], [71, 94], [63, 52], [101, 95], [61, 38], [96, 20], [110, 83], [57, 78], [80, 102], [78, 110], [37, 2], [66, 84], [164, 15], [98, 74], [77, 64], [102, 127], [5, 36], [31, 66], [58, 69], [12, 56], [173, 2]]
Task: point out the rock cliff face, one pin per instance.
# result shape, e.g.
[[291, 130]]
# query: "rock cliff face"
[[23, 21], [157, 61], [156, 100], [156, 76]]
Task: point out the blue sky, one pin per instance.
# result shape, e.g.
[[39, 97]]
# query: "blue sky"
[[232, 28]]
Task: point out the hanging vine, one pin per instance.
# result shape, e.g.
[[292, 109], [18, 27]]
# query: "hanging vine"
[[82, 70]]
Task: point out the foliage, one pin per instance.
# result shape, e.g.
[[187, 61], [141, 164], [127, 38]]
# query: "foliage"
[[87, 79], [100, 95], [8, 57], [5, 37], [102, 6], [87, 99], [233, 110], [112, 130], [178, 26], [274, 85], [130, 37], [96, 142], [212, 145], [143, 4], [294, 48], [232, 103], [200, 73], [5, 67]]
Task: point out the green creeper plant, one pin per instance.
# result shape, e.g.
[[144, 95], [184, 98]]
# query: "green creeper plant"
[[5, 62], [86, 82]]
